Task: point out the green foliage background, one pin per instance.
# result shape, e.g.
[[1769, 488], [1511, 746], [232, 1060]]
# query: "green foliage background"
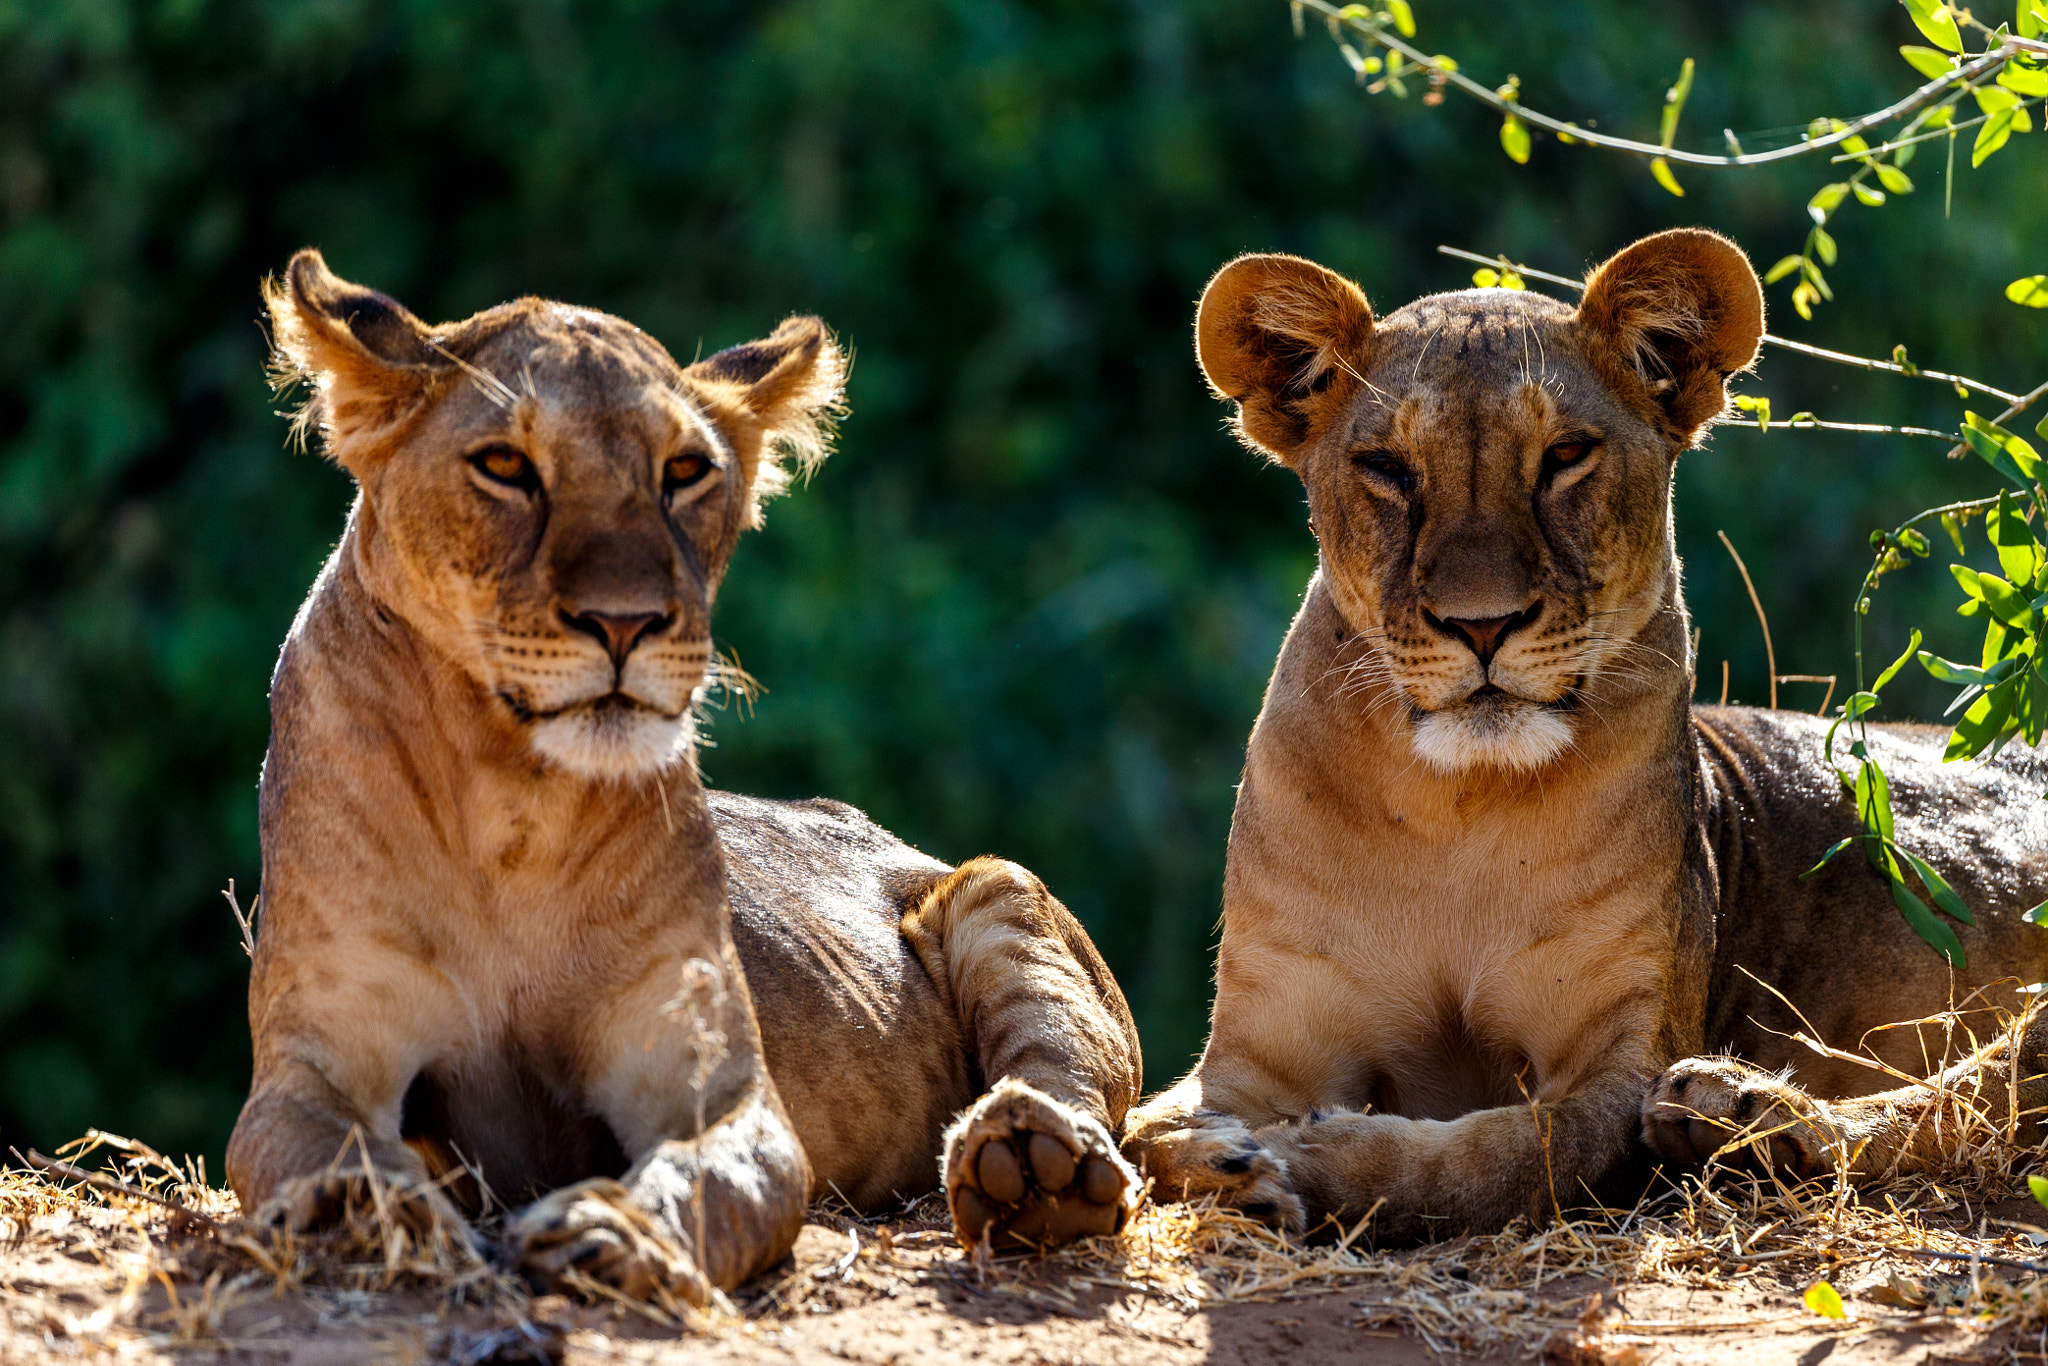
[[1030, 605]]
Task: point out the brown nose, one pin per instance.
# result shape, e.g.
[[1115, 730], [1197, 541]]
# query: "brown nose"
[[618, 632], [1485, 634]]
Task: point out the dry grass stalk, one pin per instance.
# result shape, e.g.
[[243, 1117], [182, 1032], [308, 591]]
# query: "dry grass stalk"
[[1884, 1237]]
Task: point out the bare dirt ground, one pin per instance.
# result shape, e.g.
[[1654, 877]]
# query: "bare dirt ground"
[[1704, 1274]]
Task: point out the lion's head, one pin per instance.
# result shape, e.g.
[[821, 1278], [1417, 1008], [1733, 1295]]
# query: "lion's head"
[[1489, 472], [548, 499]]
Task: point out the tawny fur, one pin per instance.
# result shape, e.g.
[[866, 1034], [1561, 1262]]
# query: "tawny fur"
[[1490, 873], [504, 924]]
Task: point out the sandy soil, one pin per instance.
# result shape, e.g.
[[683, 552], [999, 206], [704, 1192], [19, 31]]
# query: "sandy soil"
[[94, 1281]]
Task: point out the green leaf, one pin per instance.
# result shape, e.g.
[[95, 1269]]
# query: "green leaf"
[[1991, 99], [1912, 647], [1983, 723], [1837, 847], [1858, 703], [1661, 169], [1937, 887], [1933, 19], [2041, 429], [1954, 528], [1997, 130], [1893, 179], [1874, 802], [1948, 671], [1404, 18], [2032, 292], [1929, 63], [1514, 140], [1924, 922], [2003, 451], [2037, 916], [2039, 1187], [2018, 552], [2032, 16], [1826, 199], [1866, 195], [2024, 80], [1824, 244], [1786, 265], [1674, 102]]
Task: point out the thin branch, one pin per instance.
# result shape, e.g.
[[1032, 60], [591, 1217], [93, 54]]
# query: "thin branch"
[[1946, 130], [69, 1172], [1805, 423], [1818, 352], [1770, 655], [1969, 71]]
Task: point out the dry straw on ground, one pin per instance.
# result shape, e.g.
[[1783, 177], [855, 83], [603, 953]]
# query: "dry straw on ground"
[[1926, 1247]]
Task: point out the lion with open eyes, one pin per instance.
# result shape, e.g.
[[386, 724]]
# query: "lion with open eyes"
[[1493, 881], [511, 947]]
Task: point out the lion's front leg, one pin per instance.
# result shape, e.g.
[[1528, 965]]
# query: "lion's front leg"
[[691, 1216], [1190, 1151], [1419, 1180], [717, 1189]]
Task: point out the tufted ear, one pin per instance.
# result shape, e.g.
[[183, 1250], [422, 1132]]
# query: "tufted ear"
[[1679, 312], [1285, 340], [792, 384], [364, 353]]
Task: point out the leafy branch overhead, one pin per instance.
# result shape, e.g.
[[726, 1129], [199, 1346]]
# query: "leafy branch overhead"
[[2005, 82], [2004, 695]]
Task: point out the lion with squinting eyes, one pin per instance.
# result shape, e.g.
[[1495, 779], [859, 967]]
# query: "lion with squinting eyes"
[[511, 947], [1494, 883]]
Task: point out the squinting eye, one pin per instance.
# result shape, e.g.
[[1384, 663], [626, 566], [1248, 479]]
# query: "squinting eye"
[[506, 466], [1387, 466], [681, 471], [1568, 452]]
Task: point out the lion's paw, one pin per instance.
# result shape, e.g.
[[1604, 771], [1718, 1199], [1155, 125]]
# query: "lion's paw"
[[1024, 1171], [339, 1196], [1701, 1106], [1218, 1156], [591, 1232]]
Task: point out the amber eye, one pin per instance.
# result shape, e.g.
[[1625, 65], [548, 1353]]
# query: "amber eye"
[[681, 471], [505, 465], [1567, 452]]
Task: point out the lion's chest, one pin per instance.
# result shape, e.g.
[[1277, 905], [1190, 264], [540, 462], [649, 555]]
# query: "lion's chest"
[[1429, 975]]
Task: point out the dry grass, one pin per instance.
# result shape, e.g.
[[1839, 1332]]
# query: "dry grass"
[[1911, 1248]]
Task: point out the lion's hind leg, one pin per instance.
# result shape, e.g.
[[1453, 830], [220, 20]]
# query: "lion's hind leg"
[[1034, 1162]]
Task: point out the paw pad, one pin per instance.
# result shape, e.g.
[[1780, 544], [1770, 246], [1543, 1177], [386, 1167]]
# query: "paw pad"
[[1024, 1171]]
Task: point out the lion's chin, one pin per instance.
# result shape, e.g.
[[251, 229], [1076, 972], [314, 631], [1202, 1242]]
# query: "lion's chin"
[[1492, 732], [612, 739]]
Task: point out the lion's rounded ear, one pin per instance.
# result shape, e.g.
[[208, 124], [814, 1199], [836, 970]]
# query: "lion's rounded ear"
[[365, 355], [1284, 339], [792, 383], [1682, 310]]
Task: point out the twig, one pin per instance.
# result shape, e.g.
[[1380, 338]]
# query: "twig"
[[2034, 1267], [247, 922], [1818, 352], [1770, 654], [109, 1184], [1962, 75]]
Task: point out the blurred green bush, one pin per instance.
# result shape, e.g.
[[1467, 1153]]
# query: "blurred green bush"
[[1030, 605]]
